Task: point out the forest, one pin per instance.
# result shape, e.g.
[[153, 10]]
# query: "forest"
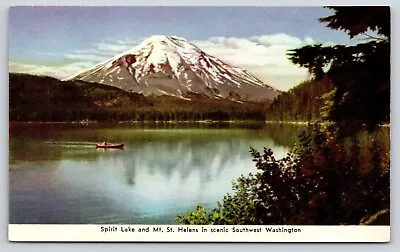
[[42, 98], [307, 102]]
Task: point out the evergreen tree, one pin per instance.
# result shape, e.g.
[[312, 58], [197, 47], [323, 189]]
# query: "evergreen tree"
[[360, 73]]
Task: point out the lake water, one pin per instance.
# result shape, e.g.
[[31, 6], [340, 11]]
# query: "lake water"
[[56, 175]]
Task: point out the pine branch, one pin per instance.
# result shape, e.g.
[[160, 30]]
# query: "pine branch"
[[375, 38]]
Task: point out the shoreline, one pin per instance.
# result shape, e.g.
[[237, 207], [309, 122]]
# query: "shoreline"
[[127, 122], [85, 122]]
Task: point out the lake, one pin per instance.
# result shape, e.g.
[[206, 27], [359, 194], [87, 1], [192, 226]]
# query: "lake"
[[57, 176]]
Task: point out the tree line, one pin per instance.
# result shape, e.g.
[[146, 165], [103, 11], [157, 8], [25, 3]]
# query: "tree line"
[[308, 102], [41, 98]]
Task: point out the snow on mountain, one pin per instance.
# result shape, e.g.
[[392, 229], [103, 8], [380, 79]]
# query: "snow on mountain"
[[169, 65]]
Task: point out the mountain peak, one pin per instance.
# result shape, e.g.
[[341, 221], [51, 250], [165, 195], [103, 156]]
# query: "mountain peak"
[[170, 65], [163, 38], [173, 41], [156, 39]]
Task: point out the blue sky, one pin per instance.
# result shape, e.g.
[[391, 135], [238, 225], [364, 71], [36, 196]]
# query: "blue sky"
[[59, 41]]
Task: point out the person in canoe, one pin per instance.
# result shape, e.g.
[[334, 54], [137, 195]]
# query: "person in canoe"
[[105, 144]]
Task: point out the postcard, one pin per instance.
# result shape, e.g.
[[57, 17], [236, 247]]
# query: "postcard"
[[199, 124]]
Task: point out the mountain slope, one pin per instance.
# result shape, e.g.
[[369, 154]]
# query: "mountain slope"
[[167, 65]]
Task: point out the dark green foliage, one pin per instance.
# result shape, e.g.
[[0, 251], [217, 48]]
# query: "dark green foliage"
[[360, 73], [357, 20], [321, 182], [236, 209], [38, 98], [305, 102]]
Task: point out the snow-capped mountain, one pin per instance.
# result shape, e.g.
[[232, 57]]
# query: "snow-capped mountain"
[[169, 65]]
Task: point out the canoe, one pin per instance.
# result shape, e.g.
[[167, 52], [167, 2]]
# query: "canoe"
[[113, 146]]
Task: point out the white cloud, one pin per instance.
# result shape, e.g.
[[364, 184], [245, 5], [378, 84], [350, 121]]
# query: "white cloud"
[[84, 57], [101, 51], [264, 56], [57, 71], [78, 60], [117, 48], [277, 39]]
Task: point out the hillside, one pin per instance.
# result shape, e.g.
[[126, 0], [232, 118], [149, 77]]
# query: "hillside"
[[39, 98], [305, 102]]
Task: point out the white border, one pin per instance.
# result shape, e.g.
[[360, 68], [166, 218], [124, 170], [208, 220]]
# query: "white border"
[[4, 244], [195, 233]]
